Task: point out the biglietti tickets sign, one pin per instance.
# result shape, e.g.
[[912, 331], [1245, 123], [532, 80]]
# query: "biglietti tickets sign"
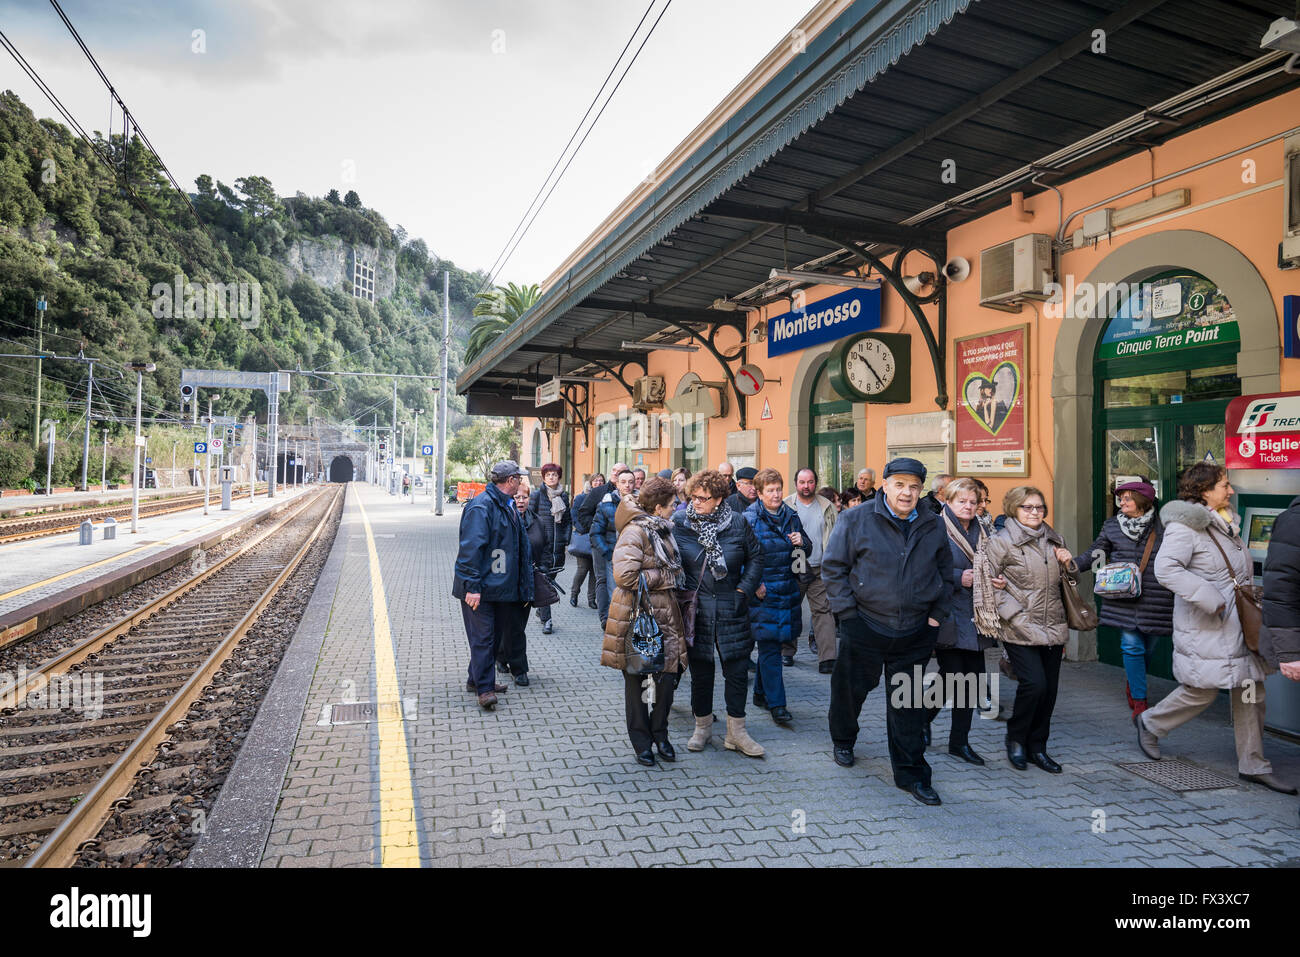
[[834, 317], [1263, 431]]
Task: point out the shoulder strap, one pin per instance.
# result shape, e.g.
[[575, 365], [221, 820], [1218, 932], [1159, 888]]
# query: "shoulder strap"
[[1232, 572], [1146, 552]]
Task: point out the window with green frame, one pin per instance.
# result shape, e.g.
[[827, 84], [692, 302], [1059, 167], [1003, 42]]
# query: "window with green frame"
[[611, 443], [830, 441]]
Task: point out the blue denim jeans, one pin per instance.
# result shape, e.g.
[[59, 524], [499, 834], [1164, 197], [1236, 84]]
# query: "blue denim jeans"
[[1137, 647], [770, 680]]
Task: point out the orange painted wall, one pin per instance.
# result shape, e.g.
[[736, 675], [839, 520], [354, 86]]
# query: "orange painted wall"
[[1251, 223]]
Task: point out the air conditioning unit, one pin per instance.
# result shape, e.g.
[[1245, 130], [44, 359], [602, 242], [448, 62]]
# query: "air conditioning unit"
[[648, 391], [552, 425], [642, 432], [1289, 254], [1015, 271]]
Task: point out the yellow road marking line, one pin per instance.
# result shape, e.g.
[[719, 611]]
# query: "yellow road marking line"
[[399, 839], [106, 561]]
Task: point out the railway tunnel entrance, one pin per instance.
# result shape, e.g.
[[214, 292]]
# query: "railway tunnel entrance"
[[341, 469]]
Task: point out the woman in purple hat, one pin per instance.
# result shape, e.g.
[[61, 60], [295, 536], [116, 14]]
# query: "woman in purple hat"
[[1133, 535]]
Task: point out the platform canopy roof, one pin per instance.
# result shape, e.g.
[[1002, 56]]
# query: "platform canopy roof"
[[849, 136]]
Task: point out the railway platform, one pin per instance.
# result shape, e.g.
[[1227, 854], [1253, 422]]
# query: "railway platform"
[[549, 778], [44, 580], [12, 505]]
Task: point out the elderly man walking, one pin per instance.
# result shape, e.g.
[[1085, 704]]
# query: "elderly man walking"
[[817, 516], [493, 579], [888, 575]]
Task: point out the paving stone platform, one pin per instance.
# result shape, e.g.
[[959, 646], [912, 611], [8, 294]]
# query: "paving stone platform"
[[549, 778]]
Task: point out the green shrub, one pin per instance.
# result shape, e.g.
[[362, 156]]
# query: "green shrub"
[[16, 463]]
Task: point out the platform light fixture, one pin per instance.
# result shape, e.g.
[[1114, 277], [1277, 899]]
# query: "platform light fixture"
[[823, 278], [666, 346]]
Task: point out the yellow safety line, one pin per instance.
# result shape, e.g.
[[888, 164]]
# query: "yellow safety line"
[[105, 561], [399, 838]]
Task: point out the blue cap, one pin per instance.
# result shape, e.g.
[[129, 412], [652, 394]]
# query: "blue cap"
[[905, 466]]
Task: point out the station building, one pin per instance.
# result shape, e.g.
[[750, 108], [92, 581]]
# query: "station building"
[[1031, 242]]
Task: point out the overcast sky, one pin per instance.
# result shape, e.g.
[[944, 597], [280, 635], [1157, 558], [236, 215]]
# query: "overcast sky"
[[444, 116]]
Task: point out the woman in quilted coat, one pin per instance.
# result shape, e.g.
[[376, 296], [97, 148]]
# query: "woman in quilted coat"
[[645, 550], [1143, 620], [1201, 556], [777, 616]]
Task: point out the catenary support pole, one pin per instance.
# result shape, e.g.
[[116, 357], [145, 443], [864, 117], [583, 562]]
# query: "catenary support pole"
[[439, 490]]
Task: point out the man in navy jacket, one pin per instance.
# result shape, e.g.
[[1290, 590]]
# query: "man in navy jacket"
[[494, 577], [604, 536], [888, 573]]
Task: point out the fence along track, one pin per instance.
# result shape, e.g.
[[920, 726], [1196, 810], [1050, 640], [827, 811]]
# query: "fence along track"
[[198, 629]]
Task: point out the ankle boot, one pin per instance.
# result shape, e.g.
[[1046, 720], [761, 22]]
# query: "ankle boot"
[[1129, 695], [703, 734], [1139, 705], [738, 739]]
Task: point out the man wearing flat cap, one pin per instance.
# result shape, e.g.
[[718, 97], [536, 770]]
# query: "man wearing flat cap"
[[745, 494], [888, 574], [494, 579]]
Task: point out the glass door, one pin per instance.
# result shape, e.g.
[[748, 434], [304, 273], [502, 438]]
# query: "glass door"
[[831, 450]]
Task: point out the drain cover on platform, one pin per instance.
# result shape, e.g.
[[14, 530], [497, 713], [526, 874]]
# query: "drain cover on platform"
[[361, 712], [1177, 775]]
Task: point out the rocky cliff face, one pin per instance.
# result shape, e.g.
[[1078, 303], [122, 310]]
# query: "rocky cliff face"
[[330, 261]]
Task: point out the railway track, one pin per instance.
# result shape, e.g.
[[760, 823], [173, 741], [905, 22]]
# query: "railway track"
[[40, 526], [65, 768]]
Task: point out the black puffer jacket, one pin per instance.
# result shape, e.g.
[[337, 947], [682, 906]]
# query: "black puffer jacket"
[[722, 612], [1279, 640], [1153, 610], [554, 536]]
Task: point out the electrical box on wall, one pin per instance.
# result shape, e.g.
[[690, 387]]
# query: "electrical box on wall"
[[742, 448]]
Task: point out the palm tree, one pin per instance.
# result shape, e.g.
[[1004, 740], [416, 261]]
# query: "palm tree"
[[498, 308]]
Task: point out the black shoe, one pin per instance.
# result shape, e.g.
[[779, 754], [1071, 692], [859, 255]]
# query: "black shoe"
[[646, 757], [781, 715], [502, 668], [1041, 759], [787, 661], [1016, 755], [760, 700], [548, 628], [666, 750], [844, 757], [591, 603], [573, 601], [521, 679], [923, 793], [826, 667], [966, 753], [925, 734]]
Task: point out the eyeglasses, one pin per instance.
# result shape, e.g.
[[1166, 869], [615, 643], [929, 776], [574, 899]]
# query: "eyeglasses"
[[702, 498], [1034, 508]]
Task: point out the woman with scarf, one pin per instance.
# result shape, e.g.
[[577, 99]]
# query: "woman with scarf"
[[1202, 555], [1028, 553], [724, 567], [961, 645], [1134, 536], [549, 509], [646, 556]]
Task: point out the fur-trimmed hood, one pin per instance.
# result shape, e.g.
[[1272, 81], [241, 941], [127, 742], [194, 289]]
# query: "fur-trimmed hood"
[[1192, 514]]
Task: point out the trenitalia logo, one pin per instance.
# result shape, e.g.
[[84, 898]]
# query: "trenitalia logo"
[[1281, 414]]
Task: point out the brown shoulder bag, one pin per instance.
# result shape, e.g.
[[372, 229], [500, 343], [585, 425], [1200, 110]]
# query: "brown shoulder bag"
[[1250, 602]]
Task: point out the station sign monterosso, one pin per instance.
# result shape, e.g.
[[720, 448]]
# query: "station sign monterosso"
[[837, 316]]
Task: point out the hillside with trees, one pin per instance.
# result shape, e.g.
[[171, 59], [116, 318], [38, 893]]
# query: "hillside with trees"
[[96, 231]]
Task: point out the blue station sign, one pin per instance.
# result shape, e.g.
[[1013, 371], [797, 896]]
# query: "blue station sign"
[[845, 313]]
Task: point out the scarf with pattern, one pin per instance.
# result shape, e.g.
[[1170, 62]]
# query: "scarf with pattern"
[[1135, 527], [706, 527]]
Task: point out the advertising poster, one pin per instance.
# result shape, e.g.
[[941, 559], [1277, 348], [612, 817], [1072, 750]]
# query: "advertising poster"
[[1263, 431], [992, 420]]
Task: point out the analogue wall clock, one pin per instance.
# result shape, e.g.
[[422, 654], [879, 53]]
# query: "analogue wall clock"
[[873, 367]]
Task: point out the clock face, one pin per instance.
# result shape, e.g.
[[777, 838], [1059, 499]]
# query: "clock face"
[[869, 366]]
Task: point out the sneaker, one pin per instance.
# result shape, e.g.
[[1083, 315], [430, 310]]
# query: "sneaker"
[[548, 628], [812, 644], [787, 661]]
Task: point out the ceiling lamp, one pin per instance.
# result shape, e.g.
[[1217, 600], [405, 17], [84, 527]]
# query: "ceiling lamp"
[[654, 346], [825, 278]]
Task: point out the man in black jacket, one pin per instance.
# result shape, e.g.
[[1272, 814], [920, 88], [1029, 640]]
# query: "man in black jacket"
[[888, 574], [1279, 640], [745, 494], [584, 515], [585, 569]]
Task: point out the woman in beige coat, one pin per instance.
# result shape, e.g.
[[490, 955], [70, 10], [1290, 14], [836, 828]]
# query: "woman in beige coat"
[[1210, 652], [1028, 553], [646, 548]]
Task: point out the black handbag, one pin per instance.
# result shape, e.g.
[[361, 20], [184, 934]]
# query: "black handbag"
[[645, 640], [545, 590]]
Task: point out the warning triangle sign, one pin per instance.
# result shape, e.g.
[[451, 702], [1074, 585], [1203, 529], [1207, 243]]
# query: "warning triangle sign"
[[767, 409]]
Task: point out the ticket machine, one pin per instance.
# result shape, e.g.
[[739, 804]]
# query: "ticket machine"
[[1263, 458]]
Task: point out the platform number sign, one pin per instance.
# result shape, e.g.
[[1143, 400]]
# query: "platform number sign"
[[200, 448], [426, 450]]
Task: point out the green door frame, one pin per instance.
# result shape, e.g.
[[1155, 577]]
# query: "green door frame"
[[829, 439]]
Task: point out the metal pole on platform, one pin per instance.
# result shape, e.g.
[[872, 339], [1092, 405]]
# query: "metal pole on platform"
[[391, 471], [438, 489], [273, 437], [103, 465], [139, 368], [85, 440]]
